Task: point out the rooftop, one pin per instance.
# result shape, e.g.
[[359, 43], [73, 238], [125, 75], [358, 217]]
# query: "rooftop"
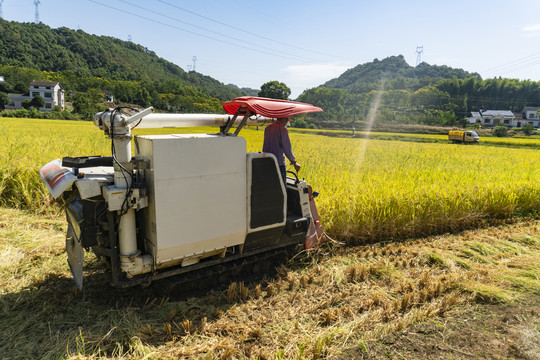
[[44, 83], [493, 113]]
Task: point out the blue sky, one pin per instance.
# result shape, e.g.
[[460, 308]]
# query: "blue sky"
[[305, 43]]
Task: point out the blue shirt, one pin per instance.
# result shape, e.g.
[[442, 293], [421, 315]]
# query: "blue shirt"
[[277, 142]]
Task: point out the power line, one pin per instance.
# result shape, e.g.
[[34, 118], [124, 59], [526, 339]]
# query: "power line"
[[514, 65], [276, 20], [513, 62], [248, 32], [523, 66], [213, 32], [273, 53]]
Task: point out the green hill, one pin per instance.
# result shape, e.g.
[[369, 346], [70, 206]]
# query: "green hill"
[[390, 91], [82, 55], [398, 75]]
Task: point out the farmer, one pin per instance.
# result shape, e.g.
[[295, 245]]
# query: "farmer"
[[277, 142]]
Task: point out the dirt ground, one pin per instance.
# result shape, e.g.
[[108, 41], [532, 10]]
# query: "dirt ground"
[[485, 331]]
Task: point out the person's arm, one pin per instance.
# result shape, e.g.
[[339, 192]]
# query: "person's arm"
[[287, 149]]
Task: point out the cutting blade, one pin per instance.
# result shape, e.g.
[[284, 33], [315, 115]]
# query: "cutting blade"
[[75, 254]]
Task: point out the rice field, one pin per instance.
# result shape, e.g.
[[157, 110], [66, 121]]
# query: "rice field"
[[338, 303], [516, 141], [370, 189]]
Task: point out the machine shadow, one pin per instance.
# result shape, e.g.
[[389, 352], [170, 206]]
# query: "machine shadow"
[[54, 314], [60, 290], [109, 316]]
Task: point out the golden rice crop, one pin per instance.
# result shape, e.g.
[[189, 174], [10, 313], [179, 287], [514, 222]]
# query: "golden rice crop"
[[27, 144], [394, 189], [516, 141], [404, 189]]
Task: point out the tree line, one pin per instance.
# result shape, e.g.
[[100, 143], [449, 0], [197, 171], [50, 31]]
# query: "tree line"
[[87, 65], [425, 94], [447, 102], [82, 62], [86, 94]]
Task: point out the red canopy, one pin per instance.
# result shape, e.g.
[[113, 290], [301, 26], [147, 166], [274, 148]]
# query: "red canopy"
[[270, 108]]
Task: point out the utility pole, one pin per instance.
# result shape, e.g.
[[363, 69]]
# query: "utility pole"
[[419, 51], [194, 61], [1, 14], [36, 4]]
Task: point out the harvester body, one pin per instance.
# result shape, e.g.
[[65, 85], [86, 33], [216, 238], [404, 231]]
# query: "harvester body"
[[183, 202]]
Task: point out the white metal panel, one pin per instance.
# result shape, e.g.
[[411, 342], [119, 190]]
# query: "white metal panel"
[[193, 120], [197, 189], [94, 178]]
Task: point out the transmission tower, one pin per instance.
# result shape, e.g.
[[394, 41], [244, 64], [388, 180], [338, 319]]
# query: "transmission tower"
[[1, 15], [419, 51], [36, 4], [194, 61]]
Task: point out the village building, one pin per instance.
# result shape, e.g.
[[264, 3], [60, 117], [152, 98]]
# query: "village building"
[[527, 116], [494, 118], [108, 96], [530, 116], [51, 92]]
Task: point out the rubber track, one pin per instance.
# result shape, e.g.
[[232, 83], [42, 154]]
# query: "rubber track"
[[246, 269]]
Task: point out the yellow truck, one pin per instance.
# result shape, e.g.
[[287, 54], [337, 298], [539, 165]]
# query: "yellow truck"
[[461, 136]]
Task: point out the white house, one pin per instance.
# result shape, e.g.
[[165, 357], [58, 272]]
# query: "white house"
[[494, 118], [108, 96], [16, 101], [51, 92], [530, 116]]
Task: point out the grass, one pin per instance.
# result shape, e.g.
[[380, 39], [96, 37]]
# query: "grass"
[[337, 300]]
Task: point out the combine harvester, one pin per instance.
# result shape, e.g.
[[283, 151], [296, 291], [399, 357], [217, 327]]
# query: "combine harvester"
[[191, 206]]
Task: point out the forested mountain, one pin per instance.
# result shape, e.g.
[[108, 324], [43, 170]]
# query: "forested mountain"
[[426, 94], [396, 73], [247, 91], [76, 54]]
